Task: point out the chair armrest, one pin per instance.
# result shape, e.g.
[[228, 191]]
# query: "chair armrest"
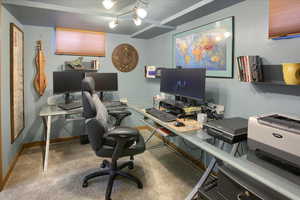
[[124, 137], [123, 132], [119, 115], [119, 112]]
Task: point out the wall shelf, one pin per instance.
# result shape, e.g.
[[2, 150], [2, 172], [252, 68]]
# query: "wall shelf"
[[273, 75]]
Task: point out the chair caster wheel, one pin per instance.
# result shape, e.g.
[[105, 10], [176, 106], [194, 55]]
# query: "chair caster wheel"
[[140, 186], [85, 184], [103, 165], [131, 166]]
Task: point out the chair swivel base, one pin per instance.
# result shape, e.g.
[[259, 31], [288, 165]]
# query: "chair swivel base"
[[112, 172]]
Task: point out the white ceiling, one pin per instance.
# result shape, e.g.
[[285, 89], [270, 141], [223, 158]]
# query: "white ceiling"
[[90, 14]]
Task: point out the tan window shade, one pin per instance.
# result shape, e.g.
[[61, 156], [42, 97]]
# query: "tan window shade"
[[79, 42], [284, 17]]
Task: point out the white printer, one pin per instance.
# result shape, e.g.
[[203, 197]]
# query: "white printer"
[[276, 136]]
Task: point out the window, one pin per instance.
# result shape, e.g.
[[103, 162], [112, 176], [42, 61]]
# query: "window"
[[284, 18], [79, 42]]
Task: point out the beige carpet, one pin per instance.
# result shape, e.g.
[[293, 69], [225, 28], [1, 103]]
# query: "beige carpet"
[[165, 176]]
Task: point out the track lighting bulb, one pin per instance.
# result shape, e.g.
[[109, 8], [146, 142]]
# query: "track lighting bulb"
[[137, 21], [108, 4], [141, 13], [227, 34], [113, 24]]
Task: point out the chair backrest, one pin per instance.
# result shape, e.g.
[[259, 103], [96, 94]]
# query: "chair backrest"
[[95, 114]]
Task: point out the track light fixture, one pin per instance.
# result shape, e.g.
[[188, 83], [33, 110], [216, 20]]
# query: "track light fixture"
[[113, 24], [137, 21], [139, 12], [108, 4]]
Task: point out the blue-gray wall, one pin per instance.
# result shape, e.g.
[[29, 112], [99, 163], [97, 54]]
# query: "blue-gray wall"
[[251, 38], [9, 150], [131, 85], [240, 99]]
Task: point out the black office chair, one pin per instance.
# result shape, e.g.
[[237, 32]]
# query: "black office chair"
[[116, 143]]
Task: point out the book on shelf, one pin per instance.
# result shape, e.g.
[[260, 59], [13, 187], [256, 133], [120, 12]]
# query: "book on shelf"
[[249, 68]]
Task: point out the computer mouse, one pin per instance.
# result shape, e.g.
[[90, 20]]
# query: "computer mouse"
[[179, 124]]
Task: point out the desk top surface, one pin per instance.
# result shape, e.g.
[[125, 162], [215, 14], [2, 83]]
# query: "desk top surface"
[[53, 110], [267, 177]]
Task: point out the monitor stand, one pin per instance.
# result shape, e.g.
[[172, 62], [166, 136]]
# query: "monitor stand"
[[67, 98], [101, 96], [186, 102]]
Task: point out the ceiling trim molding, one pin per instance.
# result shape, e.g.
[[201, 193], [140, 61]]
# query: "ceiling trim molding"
[[173, 17], [93, 12], [186, 11], [152, 26], [54, 7]]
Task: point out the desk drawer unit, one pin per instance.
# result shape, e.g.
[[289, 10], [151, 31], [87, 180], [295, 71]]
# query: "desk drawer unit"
[[233, 190], [234, 185]]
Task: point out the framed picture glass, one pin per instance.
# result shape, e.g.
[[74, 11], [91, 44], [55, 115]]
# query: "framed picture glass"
[[16, 81], [209, 46]]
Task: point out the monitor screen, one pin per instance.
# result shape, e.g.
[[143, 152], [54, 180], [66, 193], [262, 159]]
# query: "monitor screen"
[[105, 81], [67, 81], [188, 83]]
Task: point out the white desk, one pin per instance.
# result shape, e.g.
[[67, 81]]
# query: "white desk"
[[263, 175], [47, 113]]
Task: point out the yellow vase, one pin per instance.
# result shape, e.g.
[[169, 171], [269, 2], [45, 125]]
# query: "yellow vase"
[[291, 73]]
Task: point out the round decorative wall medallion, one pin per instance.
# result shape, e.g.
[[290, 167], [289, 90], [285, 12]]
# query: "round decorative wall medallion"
[[125, 57]]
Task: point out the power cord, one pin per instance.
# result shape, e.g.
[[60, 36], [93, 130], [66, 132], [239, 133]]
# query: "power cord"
[[211, 112]]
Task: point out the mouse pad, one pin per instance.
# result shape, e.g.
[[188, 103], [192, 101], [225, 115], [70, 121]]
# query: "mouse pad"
[[190, 125]]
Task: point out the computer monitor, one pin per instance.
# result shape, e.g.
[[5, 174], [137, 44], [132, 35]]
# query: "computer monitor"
[[67, 81], [104, 81], [188, 83]]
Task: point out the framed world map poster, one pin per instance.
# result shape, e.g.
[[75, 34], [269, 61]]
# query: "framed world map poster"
[[16, 81], [209, 46]]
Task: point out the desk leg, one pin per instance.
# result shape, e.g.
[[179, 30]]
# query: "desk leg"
[[205, 176], [48, 131], [152, 134], [234, 149]]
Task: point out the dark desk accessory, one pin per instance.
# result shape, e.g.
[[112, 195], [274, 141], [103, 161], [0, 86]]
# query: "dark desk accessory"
[[179, 124], [180, 109], [161, 115], [230, 130], [233, 184], [71, 105]]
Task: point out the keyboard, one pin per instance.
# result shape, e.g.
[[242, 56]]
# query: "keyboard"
[[161, 115], [71, 106]]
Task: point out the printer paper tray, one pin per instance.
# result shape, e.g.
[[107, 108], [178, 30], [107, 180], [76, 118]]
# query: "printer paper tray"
[[281, 122]]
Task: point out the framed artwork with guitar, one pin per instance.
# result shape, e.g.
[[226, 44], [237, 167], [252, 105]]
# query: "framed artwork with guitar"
[[16, 81]]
